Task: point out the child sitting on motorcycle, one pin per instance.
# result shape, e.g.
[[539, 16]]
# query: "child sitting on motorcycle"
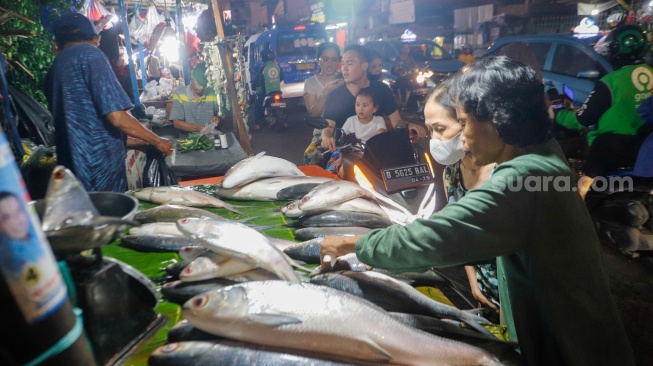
[[364, 125]]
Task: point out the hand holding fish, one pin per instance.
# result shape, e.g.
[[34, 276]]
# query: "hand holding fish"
[[334, 246]]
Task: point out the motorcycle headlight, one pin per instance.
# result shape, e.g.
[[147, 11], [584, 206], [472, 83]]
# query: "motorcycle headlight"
[[420, 78]]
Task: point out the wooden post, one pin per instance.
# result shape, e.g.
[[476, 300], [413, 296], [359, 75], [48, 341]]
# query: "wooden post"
[[239, 124]]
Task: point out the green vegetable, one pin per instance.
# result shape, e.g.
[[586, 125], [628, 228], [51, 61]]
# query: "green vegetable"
[[194, 142]]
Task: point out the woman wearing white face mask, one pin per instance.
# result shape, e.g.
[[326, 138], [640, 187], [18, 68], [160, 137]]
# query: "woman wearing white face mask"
[[460, 175]]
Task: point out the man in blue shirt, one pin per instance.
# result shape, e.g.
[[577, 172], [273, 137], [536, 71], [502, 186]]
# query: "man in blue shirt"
[[90, 109]]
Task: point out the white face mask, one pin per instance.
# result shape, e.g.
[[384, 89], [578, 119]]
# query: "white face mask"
[[447, 152]]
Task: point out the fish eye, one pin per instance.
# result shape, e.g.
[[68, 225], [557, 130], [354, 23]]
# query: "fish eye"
[[169, 348], [199, 302], [184, 221], [170, 284], [306, 199], [188, 270]]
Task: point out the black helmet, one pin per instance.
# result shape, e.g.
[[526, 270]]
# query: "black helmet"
[[267, 55], [626, 44]]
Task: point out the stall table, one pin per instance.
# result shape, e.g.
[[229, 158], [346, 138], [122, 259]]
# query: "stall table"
[[213, 162]]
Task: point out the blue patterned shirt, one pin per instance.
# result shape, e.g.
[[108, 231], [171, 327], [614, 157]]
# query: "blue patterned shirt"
[[82, 89]]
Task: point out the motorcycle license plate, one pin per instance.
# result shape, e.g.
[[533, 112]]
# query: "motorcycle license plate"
[[305, 66], [407, 176], [282, 105]]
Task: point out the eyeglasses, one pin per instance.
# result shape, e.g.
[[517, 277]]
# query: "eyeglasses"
[[333, 59]]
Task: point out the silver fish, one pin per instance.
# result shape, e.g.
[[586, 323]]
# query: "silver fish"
[[188, 253], [157, 229], [155, 243], [354, 205], [66, 202], [319, 318], [203, 353], [213, 266], [291, 209], [239, 241], [172, 213], [342, 218], [394, 295], [258, 167], [332, 193], [317, 232], [181, 196], [266, 189], [179, 291], [307, 251]]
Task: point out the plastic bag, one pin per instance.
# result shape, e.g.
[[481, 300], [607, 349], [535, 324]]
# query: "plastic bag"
[[156, 172]]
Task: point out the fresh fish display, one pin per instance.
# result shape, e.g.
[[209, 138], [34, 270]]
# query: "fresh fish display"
[[207, 267], [347, 262], [182, 197], [332, 193], [174, 269], [307, 251], [318, 232], [239, 241], [180, 291], [343, 218], [157, 228], [322, 319], [267, 189], [172, 213], [256, 274], [297, 191], [66, 202], [156, 243], [291, 209], [258, 167], [203, 353], [281, 244], [394, 295]]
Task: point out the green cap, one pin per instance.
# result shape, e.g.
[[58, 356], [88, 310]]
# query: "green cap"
[[199, 74]]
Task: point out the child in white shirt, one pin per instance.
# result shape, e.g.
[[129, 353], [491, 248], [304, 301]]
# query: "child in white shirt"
[[364, 125]]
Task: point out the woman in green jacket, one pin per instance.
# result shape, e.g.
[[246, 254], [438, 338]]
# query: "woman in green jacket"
[[552, 280]]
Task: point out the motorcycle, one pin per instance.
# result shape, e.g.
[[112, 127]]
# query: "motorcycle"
[[390, 165], [274, 110], [420, 84]]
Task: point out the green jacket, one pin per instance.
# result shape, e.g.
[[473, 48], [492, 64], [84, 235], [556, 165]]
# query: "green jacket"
[[613, 103], [269, 78], [552, 281]]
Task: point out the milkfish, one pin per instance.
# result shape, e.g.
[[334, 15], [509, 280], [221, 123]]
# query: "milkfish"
[[342, 218], [202, 353], [307, 251], [239, 241], [184, 331], [297, 191], [291, 209], [309, 317], [267, 189], [156, 243], [394, 295], [258, 167], [347, 262], [188, 253], [317, 232], [181, 196], [361, 205], [332, 193], [172, 213], [180, 291], [157, 229], [66, 202], [213, 266]]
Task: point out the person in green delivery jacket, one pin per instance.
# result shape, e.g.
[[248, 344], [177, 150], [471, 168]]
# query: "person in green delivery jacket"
[[615, 131], [553, 284], [267, 81]]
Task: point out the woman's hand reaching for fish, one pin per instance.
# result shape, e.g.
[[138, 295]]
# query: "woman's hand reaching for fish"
[[334, 246]]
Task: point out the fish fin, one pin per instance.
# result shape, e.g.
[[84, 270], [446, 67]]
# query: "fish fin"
[[272, 319], [232, 209], [263, 228], [296, 264], [378, 349], [247, 219], [333, 190]]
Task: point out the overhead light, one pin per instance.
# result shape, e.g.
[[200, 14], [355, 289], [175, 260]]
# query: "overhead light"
[[168, 31]]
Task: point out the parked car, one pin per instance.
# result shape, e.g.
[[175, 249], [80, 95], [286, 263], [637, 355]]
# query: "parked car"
[[566, 59], [424, 51]]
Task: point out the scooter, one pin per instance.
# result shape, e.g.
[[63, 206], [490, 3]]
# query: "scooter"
[[274, 110], [393, 167]]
